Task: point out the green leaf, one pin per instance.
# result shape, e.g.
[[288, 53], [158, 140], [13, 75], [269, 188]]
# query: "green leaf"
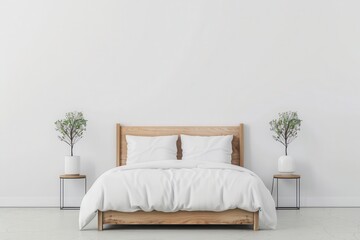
[[285, 127], [71, 128]]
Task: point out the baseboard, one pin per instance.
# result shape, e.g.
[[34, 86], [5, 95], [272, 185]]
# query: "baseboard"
[[318, 202], [37, 201], [321, 201], [331, 202]]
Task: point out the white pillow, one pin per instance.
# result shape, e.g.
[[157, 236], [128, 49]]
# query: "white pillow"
[[211, 149], [146, 149]]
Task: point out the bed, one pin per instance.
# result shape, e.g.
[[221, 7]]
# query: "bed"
[[234, 216]]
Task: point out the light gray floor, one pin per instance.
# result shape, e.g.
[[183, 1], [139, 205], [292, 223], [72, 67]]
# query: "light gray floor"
[[53, 224]]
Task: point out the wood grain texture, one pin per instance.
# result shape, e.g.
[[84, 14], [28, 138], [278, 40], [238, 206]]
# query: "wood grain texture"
[[241, 145], [118, 145], [66, 176], [100, 220], [236, 131], [234, 216], [256, 221], [287, 176]]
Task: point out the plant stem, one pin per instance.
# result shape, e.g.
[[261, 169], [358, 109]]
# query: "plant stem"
[[286, 150], [72, 146]]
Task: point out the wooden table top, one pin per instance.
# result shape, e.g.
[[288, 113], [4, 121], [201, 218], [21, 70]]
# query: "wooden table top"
[[72, 176], [287, 176]]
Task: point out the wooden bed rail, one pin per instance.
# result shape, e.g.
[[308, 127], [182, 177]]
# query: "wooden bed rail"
[[233, 216]]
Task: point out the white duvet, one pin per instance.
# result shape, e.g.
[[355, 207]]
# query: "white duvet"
[[174, 185]]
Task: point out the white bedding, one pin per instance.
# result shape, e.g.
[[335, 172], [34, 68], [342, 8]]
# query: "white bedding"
[[174, 185]]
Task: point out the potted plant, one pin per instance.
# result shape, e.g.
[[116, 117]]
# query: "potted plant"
[[286, 129], [71, 130]]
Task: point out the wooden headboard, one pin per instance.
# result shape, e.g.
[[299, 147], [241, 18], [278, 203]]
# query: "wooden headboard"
[[237, 143]]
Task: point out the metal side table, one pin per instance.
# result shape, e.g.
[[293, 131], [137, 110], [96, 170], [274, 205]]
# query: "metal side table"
[[295, 177], [62, 189]]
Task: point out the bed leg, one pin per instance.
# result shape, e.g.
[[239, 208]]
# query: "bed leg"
[[100, 220], [256, 221]]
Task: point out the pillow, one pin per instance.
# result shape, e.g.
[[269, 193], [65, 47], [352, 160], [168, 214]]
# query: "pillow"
[[146, 149], [211, 149]]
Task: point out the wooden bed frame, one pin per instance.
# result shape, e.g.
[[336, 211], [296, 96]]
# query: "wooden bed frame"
[[234, 216]]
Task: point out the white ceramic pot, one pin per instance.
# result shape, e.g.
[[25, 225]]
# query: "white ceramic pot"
[[72, 165], [286, 164]]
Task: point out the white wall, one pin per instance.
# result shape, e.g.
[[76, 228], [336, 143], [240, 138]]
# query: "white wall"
[[167, 62]]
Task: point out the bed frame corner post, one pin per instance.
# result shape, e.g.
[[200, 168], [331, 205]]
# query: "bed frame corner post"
[[241, 143], [118, 145], [256, 221], [100, 220]]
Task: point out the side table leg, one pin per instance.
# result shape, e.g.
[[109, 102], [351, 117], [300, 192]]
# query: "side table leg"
[[296, 199], [63, 193], [277, 193], [60, 192], [299, 193]]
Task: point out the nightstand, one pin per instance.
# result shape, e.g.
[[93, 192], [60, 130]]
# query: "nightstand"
[[295, 177], [62, 189]]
